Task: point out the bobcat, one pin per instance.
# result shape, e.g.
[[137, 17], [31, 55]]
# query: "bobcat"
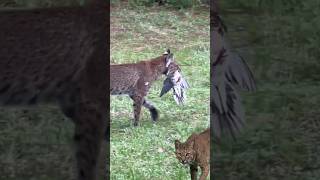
[[135, 80], [59, 55], [195, 152]]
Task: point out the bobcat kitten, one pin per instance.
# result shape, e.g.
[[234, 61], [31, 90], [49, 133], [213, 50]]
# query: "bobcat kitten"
[[135, 80], [195, 152]]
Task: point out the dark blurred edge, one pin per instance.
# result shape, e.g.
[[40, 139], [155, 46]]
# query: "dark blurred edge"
[[108, 96], [213, 10]]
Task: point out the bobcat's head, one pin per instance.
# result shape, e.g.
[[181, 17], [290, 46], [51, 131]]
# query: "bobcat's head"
[[171, 66], [185, 152]]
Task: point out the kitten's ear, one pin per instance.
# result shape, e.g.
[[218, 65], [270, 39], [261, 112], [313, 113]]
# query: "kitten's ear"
[[177, 143], [191, 144], [191, 140], [191, 137]]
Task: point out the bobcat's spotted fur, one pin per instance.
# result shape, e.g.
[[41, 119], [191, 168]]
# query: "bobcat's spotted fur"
[[59, 55], [195, 152], [135, 80]]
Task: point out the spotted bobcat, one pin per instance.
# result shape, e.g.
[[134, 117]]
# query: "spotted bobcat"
[[59, 55], [135, 80], [195, 152]]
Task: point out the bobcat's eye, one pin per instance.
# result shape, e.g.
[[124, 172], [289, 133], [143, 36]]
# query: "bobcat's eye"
[[188, 154]]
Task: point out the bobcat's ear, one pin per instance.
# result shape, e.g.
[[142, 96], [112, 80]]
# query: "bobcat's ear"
[[169, 59], [191, 140], [191, 144], [177, 143]]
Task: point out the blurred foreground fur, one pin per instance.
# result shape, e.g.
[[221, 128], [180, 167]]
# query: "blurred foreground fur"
[[59, 55]]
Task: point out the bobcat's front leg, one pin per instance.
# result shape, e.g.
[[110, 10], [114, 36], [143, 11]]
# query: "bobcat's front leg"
[[193, 172], [204, 172]]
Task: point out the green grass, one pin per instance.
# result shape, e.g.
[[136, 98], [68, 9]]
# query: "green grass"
[[147, 151], [35, 143], [178, 4], [281, 139]]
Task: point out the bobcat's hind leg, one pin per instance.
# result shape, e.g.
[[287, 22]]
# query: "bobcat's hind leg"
[[153, 111], [90, 127], [137, 104]]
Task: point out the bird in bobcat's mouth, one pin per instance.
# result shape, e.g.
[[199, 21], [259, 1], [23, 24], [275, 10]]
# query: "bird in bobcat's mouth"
[[177, 83]]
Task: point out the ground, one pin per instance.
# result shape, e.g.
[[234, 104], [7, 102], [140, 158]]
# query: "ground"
[[147, 152], [35, 142]]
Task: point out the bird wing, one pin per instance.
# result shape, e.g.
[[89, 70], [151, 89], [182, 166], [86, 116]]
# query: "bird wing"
[[229, 71], [178, 84], [167, 85]]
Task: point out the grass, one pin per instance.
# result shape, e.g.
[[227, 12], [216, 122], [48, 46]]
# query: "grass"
[[281, 140], [147, 152], [35, 143]]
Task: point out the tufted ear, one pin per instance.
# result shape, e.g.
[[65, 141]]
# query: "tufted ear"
[[190, 145], [177, 143], [169, 59]]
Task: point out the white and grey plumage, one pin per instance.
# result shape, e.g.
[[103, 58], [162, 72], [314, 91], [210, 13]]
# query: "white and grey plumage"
[[177, 83], [229, 73]]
